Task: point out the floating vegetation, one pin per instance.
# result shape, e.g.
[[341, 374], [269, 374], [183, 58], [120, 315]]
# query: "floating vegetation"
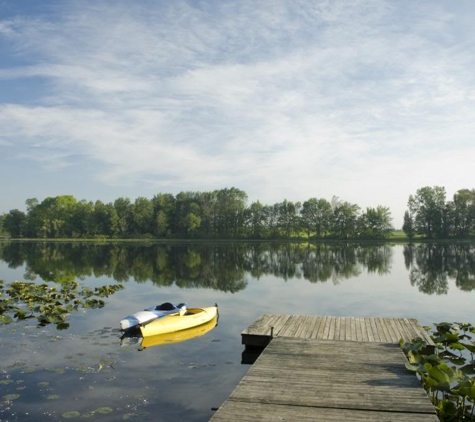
[[43, 384], [71, 414], [53, 397], [49, 304], [6, 382], [10, 397], [133, 416], [448, 374], [103, 410]]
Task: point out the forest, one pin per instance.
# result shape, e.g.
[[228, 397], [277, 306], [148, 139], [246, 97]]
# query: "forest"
[[225, 214]]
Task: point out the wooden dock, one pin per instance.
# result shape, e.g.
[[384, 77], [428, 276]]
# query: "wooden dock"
[[328, 369], [379, 330]]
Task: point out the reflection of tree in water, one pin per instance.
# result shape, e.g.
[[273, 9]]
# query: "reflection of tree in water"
[[214, 266], [431, 266]]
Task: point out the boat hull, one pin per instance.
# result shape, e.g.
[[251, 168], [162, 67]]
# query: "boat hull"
[[176, 322], [148, 315], [179, 336]]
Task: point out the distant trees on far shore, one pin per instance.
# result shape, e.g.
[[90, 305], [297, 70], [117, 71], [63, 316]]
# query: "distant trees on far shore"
[[225, 214], [430, 215], [222, 214]]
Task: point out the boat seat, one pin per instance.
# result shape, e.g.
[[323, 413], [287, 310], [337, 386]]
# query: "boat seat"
[[167, 306]]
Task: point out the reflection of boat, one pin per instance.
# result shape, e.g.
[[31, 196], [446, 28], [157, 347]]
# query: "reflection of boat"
[[176, 322], [149, 314], [179, 336]]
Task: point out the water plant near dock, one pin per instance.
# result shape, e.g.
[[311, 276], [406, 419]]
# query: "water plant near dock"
[[49, 304], [448, 374]]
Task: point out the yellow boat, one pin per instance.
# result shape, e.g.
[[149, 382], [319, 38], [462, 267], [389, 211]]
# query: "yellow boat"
[[176, 322], [179, 336]]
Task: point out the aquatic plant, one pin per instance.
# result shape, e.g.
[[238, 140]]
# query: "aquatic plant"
[[49, 304], [447, 374]]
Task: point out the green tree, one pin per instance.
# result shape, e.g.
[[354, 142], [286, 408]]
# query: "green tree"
[[464, 212], [52, 217], [256, 218], [142, 216], [344, 219], [288, 217], [123, 209], [164, 206], [316, 216], [105, 220], [14, 222], [82, 219], [375, 223], [408, 225], [188, 213], [427, 207], [230, 207], [209, 214]]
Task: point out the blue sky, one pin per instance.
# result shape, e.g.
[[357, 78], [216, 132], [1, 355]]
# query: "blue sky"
[[285, 99]]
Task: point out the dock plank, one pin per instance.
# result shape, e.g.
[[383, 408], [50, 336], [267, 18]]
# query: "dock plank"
[[294, 378]]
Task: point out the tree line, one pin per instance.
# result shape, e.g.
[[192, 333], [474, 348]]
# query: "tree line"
[[432, 216], [225, 214], [222, 214]]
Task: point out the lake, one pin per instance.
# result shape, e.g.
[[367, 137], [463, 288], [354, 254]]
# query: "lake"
[[88, 372]]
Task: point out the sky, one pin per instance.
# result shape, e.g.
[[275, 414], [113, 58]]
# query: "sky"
[[285, 99]]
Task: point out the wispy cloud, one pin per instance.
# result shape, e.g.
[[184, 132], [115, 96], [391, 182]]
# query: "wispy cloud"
[[283, 99]]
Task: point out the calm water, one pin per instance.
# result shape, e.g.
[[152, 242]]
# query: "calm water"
[[86, 368]]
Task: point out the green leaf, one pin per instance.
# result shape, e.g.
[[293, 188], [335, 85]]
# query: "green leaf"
[[10, 397], [71, 414], [103, 410], [457, 346], [413, 368], [447, 407]]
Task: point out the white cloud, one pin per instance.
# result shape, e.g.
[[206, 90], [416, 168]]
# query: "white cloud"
[[295, 100]]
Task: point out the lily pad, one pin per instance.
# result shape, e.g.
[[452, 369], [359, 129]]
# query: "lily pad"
[[128, 416], [43, 384], [6, 382], [53, 397], [103, 410], [10, 397], [71, 414]]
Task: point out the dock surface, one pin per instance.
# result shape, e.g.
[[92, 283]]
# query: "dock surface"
[[379, 330], [315, 369]]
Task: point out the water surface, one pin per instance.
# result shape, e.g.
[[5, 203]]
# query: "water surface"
[[86, 369]]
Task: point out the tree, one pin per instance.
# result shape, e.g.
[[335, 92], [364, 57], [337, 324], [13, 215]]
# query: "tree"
[[288, 217], [123, 210], [230, 206], [142, 216], [208, 205], [82, 219], [256, 217], [2, 230], [187, 209], [52, 217], [408, 225], [105, 220], [316, 216], [375, 223], [164, 206], [14, 223], [464, 212], [427, 207], [344, 219]]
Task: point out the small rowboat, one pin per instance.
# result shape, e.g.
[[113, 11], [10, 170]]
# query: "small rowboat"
[[175, 322], [149, 314]]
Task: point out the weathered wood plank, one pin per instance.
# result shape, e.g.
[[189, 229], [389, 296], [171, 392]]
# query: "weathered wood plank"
[[295, 379], [235, 411], [385, 330]]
